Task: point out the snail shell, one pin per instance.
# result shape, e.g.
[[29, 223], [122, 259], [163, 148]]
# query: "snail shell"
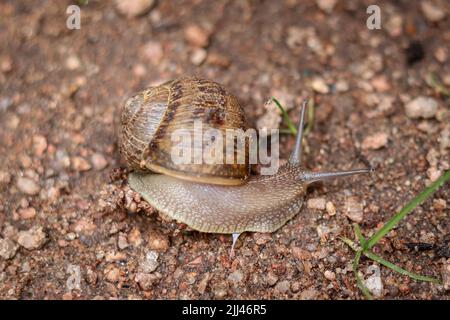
[[150, 117]]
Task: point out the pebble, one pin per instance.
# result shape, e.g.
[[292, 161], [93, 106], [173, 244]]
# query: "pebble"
[[157, 241], [6, 63], [27, 213], [432, 11], [146, 280], [283, 286], [133, 8], [381, 83], [421, 107], [330, 207], [80, 164], [326, 5], [316, 203], [134, 237], [39, 145], [5, 177], [150, 262], [218, 59], [5, 103], [309, 294], [198, 56], [375, 141], [196, 36], [98, 161], [353, 209], [28, 186], [74, 280], [8, 249], [445, 272], [374, 283], [441, 54], [330, 275], [153, 52], [72, 62], [320, 86], [236, 276], [271, 278], [122, 242], [33, 238], [112, 273]]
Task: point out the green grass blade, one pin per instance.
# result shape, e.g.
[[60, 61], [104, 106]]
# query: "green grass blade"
[[407, 209], [350, 243], [286, 118], [359, 281], [359, 236], [396, 268]]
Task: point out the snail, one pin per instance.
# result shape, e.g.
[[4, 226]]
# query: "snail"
[[221, 198]]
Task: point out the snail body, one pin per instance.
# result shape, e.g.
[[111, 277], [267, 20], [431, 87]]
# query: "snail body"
[[220, 198]]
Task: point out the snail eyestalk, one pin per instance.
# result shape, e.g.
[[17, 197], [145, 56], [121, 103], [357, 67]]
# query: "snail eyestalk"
[[296, 156], [317, 176]]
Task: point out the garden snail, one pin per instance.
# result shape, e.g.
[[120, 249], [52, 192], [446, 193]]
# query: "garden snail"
[[208, 198]]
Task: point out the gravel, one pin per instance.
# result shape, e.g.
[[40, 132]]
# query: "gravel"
[[150, 262], [353, 209], [8, 249], [134, 8], [316, 203], [421, 107], [33, 238], [375, 141], [373, 282], [28, 186]]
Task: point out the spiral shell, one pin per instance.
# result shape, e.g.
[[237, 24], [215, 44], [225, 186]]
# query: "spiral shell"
[[150, 117]]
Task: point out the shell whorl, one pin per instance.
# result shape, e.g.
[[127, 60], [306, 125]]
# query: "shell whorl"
[[151, 117]]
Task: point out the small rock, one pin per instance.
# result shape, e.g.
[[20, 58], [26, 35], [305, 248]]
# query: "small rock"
[[72, 62], [421, 107], [74, 280], [319, 85], [196, 35], [33, 238], [331, 209], [330, 275], [375, 141], [236, 276], [381, 83], [342, 86], [39, 145], [282, 286], [203, 283], [446, 274], [5, 177], [218, 59], [441, 54], [316, 203], [150, 262], [28, 186], [309, 294], [8, 249], [153, 52], [98, 161], [432, 11], [133, 8], [353, 209], [6, 63], [271, 278], [80, 164], [220, 293], [157, 241], [112, 273], [198, 56], [326, 5], [374, 283], [27, 213], [134, 237], [122, 242], [146, 280], [5, 103]]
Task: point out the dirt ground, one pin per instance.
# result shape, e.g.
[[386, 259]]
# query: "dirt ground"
[[71, 228]]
